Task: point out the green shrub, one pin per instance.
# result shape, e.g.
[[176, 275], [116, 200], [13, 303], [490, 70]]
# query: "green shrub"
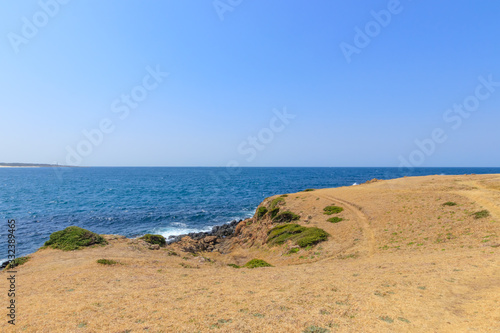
[[154, 239], [276, 202], [315, 329], [335, 219], [286, 216], [301, 236], [273, 212], [294, 250], [280, 234], [261, 211], [450, 203], [171, 252], [481, 214], [254, 263], [73, 238], [387, 319], [312, 236], [17, 262], [308, 190], [329, 210], [107, 262], [234, 266], [284, 196]]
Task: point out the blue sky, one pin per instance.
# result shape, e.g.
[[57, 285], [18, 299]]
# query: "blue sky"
[[229, 78]]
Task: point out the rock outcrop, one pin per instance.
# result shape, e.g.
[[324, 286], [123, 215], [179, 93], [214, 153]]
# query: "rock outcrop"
[[205, 241]]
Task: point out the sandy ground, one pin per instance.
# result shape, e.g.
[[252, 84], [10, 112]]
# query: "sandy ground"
[[399, 262]]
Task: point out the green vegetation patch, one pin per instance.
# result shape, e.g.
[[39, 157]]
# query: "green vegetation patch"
[[74, 238], [387, 319], [17, 262], [481, 214], [285, 216], [261, 211], [154, 239], [329, 210], [315, 329], [280, 234], [107, 262], [450, 203], [302, 236], [308, 190], [335, 219], [277, 201], [171, 252], [234, 266], [312, 236], [254, 263], [273, 212]]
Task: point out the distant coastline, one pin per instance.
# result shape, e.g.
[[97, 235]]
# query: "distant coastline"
[[33, 165]]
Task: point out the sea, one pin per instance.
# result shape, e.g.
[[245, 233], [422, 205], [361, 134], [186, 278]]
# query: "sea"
[[133, 201]]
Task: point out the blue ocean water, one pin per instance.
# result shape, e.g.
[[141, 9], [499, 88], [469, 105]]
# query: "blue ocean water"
[[169, 201]]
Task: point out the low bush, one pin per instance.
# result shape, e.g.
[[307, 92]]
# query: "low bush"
[[285, 216], [301, 236], [234, 266], [329, 210], [450, 203], [276, 202], [312, 236], [316, 329], [17, 262], [308, 190], [335, 219], [254, 263], [481, 214], [171, 252], [280, 234], [107, 262], [273, 212], [74, 238], [154, 239], [261, 211]]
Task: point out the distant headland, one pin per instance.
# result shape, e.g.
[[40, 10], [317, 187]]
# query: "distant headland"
[[33, 165]]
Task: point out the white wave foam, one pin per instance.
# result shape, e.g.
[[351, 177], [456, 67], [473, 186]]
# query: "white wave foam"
[[174, 231], [355, 184], [179, 228]]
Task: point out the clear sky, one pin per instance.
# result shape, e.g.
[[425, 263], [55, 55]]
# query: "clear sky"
[[250, 83]]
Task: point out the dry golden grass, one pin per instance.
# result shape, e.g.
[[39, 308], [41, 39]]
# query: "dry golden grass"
[[399, 261]]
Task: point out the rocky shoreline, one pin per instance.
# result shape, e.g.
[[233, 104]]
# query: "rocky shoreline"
[[197, 241], [219, 231], [205, 241]]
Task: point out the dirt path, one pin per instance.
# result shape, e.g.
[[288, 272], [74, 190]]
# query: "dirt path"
[[361, 219], [486, 197]]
